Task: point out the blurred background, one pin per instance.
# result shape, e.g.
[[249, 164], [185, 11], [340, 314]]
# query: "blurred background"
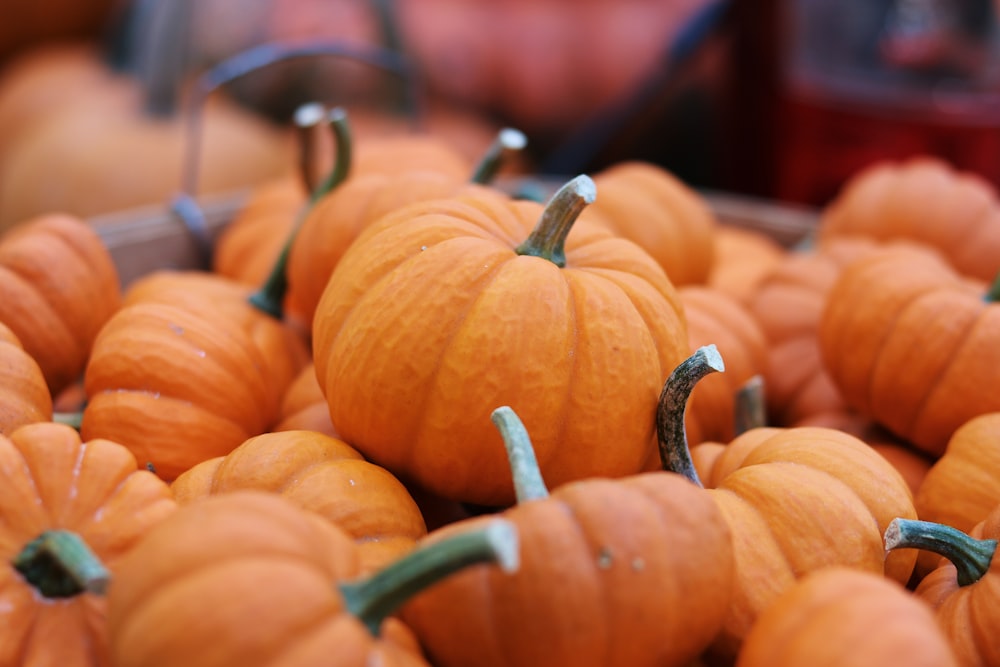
[[782, 99]]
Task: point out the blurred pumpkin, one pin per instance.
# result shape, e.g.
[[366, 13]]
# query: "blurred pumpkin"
[[24, 396]]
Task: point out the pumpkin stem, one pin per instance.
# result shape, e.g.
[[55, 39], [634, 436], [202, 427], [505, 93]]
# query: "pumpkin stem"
[[508, 139], [675, 455], [993, 293], [59, 564], [528, 482], [71, 419], [271, 294], [549, 235], [750, 410], [971, 557], [376, 597]]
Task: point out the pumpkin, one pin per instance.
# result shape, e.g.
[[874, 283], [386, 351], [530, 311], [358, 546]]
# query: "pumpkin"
[[743, 256], [442, 310], [58, 286], [922, 199], [605, 566], [962, 486], [885, 306], [848, 618], [24, 396], [321, 474], [284, 588], [715, 317], [303, 406], [964, 588], [187, 370], [71, 512], [797, 500], [338, 217], [647, 204], [788, 304]]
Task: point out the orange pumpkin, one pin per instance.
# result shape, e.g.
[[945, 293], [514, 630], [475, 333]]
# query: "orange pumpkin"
[[321, 474], [284, 588], [442, 310], [72, 511], [962, 486], [58, 286], [602, 564], [303, 407], [797, 500], [24, 396], [885, 307], [922, 199], [788, 304], [650, 206], [965, 588], [843, 617], [187, 370], [715, 317], [743, 256]]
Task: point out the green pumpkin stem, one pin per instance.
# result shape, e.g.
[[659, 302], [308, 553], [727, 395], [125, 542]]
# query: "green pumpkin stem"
[[675, 455], [376, 597], [993, 293], [548, 238], [271, 295], [971, 557], [528, 482], [750, 406], [71, 419], [507, 140], [59, 564]]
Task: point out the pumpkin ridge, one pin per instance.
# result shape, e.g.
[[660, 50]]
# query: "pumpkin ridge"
[[925, 399], [27, 288], [574, 323], [481, 285]]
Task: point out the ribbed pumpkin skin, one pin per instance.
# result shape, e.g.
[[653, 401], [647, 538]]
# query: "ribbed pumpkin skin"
[[24, 396], [799, 500], [187, 370], [962, 486], [53, 481], [650, 206], [788, 304], [635, 572], [433, 321], [926, 200], [269, 569], [839, 617], [303, 407], [743, 256], [969, 614], [58, 286], [321, 474], [912, 344], [714, 317]]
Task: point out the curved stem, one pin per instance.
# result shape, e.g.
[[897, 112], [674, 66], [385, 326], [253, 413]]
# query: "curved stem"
[[376, 597], [750, 405], [548, 238], [305, 119], [59, 564], [271, 295], [508, 139], [528, 482], [970, 556], [675, 455]]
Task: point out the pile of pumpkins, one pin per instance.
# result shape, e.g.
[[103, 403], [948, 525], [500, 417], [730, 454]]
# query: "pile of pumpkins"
[[407, 418]]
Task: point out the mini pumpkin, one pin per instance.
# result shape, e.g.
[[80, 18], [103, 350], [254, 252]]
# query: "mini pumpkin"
[[965, 588], [743, 256], [797, 500], [848, 618], [442, 310], [321, 474], [605, 566], [58, 286], [24, 396], [71, 512], [284, 586], [884, 307]]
